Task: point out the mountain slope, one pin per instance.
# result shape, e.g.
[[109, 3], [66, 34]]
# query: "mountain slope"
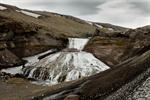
[[26, 33]]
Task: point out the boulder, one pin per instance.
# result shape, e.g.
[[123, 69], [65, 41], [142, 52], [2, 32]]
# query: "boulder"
[[8, 59], [72, 97]]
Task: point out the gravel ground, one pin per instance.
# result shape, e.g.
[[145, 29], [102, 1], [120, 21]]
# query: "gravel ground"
[[138, 89], [142, 92]]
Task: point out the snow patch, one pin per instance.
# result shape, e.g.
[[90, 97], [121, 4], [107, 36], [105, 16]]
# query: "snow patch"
[[2, 8], [32, 60], [99, 26], [13, 71], [88, 22], [29, 13]]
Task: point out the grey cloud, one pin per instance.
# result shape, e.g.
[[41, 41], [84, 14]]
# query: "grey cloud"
[[142, 7], [80, 7]]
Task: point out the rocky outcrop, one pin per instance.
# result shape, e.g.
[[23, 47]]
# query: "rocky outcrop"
[[24, 39], [8, 59], [114, 48], [72, 97], [107, 49]]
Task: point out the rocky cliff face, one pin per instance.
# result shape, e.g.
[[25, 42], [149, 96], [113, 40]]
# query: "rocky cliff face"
[[8, 59], [113, 48]]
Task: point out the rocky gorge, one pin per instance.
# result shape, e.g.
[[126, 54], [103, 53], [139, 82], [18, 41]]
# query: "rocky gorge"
[[43, 47]]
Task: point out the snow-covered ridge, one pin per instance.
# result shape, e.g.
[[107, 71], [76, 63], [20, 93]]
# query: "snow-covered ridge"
[[2, 8], [29, 13], [77, 43]]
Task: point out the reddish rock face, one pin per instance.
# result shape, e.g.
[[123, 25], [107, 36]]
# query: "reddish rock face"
[[113, 49], [107, 49]]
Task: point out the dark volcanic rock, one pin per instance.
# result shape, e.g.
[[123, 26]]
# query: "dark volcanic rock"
[[24, 39], [8, 59]]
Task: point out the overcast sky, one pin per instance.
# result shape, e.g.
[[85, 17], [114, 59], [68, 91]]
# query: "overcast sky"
[[128, 13]]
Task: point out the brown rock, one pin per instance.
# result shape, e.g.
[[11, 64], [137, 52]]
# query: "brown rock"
[[8, 59], [114, 49], [109, 50], [72, 97]]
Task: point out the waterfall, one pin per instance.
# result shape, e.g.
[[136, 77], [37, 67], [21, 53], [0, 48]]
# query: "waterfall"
[[65, 65], [77, 43]]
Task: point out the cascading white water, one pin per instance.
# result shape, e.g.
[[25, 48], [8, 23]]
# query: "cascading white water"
[[77, 43], [66, 65]]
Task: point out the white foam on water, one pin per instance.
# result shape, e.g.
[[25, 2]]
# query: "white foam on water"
[[77, 43]]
